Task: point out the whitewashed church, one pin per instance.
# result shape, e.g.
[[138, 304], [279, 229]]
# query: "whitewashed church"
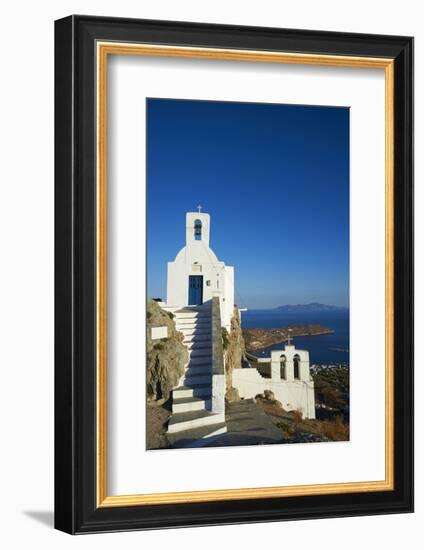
[[200, 295], [196, 275]]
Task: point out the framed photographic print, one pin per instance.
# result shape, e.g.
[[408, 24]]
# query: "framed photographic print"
[[233, 272]]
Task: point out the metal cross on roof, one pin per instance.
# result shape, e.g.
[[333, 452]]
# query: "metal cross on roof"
[[199, 207], [289, 338]]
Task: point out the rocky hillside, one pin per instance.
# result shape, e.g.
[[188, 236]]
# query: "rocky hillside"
[[165, 357], [235, 353]]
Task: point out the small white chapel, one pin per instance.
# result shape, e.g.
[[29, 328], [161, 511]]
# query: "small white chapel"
[[290, 380]]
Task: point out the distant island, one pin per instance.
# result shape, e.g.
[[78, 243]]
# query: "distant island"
[[259, 338], [309, 308]]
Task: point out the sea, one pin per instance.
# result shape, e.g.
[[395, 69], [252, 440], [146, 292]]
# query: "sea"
[[327, 349]]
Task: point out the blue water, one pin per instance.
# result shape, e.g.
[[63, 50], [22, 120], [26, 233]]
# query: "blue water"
[[323, 350]]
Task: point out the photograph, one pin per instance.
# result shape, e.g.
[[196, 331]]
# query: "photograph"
[[247, 306]]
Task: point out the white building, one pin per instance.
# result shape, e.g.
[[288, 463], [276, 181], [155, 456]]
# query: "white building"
[[196, 275], [290, 380], [194, 278]]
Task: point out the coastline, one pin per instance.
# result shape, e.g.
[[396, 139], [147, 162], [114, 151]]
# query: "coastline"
[[329, 348], [257, 339]]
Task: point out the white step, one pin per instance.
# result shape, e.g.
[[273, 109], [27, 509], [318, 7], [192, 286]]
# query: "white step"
[[186, 404], [193, 321], [194, 338], [192, 315], [194, 370], [185, 421], [197, 346], [196, 332], [195, 379], [201, 360], [192, 331], [199, 367], [200, 352], [191, 326], [199, 390]]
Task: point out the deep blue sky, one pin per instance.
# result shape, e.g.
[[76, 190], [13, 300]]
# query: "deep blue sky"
[[275, 181]]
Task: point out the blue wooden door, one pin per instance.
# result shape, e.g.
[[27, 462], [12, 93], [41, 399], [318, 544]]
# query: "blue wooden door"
[[195, 290]]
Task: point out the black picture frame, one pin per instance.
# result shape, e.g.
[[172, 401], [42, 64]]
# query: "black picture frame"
[[76, 508]]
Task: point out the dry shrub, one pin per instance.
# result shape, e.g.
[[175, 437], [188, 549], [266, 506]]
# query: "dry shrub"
[[287, 428], [336, 430], [297, 416]]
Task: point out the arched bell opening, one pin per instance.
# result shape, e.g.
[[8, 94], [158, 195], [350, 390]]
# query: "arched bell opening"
[[296, 367], [283, 367], [197, 230]]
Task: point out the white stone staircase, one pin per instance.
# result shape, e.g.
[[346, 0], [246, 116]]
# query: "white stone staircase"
[[192, 423]]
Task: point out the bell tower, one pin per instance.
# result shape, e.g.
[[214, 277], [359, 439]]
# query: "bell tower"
[[197, 227], [197, 275]]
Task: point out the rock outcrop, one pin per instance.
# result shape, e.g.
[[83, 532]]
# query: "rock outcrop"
[[165, 357], [235, 354]]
